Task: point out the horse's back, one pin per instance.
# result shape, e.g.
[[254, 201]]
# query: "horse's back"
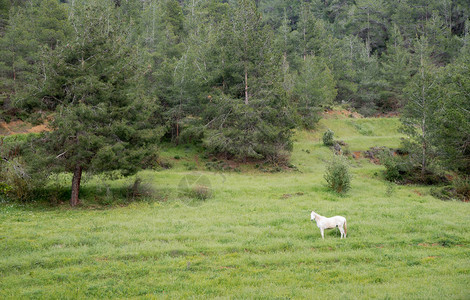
[[339, 219]]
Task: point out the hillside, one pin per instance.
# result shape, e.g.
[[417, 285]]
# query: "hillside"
[[252, 239]]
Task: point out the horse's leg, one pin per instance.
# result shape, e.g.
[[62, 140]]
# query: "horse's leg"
[[341, 229], [322, 235]]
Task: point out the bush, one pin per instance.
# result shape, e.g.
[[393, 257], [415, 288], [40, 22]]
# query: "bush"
[[337, 175], [445, 193], [16, 183], [404, 170], [4, 189], [396, 168], [328, 138], [462, 188]]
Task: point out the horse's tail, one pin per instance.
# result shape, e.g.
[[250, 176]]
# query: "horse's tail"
[[345, 228]]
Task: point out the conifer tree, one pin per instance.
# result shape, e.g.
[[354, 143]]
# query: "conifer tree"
[[32, 29], [314, 88], [101, 119], [251, 118], [452, 121], [419, 113], [396, 69]]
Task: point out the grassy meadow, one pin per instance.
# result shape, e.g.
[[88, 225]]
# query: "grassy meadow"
[[252, 239]]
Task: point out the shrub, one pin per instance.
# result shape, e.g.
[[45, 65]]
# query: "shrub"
[[396, 168], [444, 193], [337, 175], [328, 138], [462, 188], [17, 184], [4, 189]]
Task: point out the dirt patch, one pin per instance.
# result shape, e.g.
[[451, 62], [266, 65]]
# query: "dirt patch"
[[341, 114], [356, 154], [18, 127], [4, 129], [286, 196], [39, 128], [392, 114]]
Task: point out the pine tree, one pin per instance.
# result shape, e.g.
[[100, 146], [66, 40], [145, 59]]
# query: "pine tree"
[[452, 121], [368, 21], [249, 115], [314, 88], [101, 120], [247, 33], [31, 29], [4, 11], [419, 113], [396, 69]]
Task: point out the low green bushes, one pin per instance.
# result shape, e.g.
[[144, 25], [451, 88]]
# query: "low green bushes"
[[328, 138], [337, 175]]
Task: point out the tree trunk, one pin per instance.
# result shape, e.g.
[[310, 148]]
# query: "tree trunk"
[[424, 163], [77, 177], [246, 86]]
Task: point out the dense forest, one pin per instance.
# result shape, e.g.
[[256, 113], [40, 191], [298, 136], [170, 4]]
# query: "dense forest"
[[113, 79]]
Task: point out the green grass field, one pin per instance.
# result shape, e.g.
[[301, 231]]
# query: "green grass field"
[[252, 239]]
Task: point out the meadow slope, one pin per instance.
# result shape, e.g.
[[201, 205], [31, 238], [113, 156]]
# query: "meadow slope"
[[252, 239]]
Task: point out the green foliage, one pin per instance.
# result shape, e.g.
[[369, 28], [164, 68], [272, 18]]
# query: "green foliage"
[[314, 88], [462, 187], [452, 123], [396, 69], [459, 190], [200, 192], [397, 168], [436, 115], [368, 22], [32, 30], [234, 76], [4, 188], [328, 138], [16, 178], [257, 130], [418, 116], [102, 119], [337, 175]]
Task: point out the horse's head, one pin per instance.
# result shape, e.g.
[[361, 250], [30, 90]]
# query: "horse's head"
[[312, 216]]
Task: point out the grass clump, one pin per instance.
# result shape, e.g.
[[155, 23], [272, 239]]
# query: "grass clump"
[[200, 192], [195, 186]]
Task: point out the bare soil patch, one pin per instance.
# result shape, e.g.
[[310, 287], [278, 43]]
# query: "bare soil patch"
[[341, 114], [19, 127]]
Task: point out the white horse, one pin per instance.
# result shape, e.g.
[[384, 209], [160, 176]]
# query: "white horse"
[[329, 223]]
